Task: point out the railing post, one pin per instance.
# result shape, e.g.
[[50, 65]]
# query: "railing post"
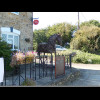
[[30, 70], [35, 68], [51, 65], [70, 60], [25, 69], [43, 65], [1, 83], [19, 75], [39, 66], [12, 78], [67, 61]]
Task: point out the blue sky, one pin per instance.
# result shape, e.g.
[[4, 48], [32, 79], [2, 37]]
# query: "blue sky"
[[49, 18]]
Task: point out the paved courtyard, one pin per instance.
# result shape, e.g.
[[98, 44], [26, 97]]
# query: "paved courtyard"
[[90, 76]]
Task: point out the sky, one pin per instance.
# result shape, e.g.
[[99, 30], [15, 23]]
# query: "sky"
[[50, 18]]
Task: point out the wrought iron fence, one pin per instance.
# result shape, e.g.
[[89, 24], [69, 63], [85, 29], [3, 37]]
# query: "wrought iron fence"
[[40, 67]]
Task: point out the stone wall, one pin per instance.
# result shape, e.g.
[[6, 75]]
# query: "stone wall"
[[72, 75], [23, 23]]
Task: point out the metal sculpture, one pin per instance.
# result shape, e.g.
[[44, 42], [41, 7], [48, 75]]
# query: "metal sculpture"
[[49, 47]]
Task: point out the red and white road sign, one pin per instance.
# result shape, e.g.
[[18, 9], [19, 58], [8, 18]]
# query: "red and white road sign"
[[35, 21]]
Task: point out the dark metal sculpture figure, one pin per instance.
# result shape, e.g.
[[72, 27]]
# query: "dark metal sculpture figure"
[[49, 47]]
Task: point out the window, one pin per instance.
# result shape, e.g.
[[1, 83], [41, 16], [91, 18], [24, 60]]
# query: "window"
[[16, 42], [11, 38], [17, 13]]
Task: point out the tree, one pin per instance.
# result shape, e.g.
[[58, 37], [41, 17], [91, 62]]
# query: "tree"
[[65, 30], [5, 49], [39, 36], [5, 52], [91, 22], [87, 39]]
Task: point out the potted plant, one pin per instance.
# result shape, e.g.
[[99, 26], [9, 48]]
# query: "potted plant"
[[22, 58]]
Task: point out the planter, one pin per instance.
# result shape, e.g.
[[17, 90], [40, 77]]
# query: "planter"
[[20, 58]]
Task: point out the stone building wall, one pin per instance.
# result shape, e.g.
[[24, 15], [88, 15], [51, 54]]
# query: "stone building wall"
[[23, 23]]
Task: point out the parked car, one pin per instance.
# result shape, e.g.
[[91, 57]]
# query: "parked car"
[[59, 48]]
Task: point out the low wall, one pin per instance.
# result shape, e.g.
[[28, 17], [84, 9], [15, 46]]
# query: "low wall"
[[71, 75]]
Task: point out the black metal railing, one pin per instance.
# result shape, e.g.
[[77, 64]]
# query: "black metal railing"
[[42, 66]]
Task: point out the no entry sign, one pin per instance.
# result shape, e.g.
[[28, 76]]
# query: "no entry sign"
[[35, 21], [1, 69]]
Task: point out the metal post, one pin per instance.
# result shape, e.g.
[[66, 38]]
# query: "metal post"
[[43, 66], [19, 75], [39, 67], [30, 70], [55, 53], [67, 61], [78, 21], [1, 83], [25, 69], [35, 68], [46, 64], [70, 61], [51, 65], [12, 77]]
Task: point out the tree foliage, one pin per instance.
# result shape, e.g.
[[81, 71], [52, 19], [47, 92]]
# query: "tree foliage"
[[5, 52], [87, 39], [91, 22], [5, 49], [42, 35]]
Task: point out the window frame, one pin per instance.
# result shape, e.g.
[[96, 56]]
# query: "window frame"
[[7, 32], [12, 39]]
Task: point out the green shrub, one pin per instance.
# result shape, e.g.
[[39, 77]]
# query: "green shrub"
[[91, 22], [87, 39], [29, 82], [5, 52], [83, 57]]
